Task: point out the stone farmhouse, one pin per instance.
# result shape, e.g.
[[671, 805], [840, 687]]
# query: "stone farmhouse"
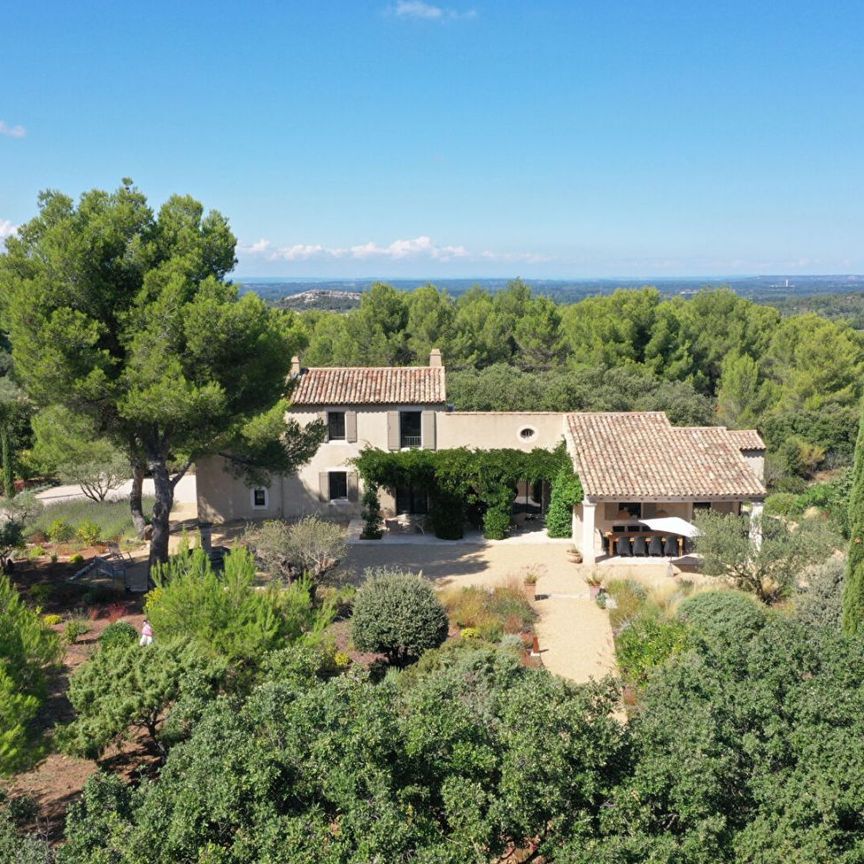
[[633, 465]]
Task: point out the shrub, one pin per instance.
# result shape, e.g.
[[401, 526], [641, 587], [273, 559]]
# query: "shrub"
[[119, 634], [371, 513], [496, 523], [51, 620], [646, 643], [73, 629], [27, 648], [88, 532], [397, 614], [566, 491], [17, 848], [35, 552], [719, 619], [60, 531], [782, 504], [820, 604], [125, 687], [23, 809], [629, 598], [225, 613], [77, 558]]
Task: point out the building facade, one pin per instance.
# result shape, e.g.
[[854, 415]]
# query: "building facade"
[[633, 465]]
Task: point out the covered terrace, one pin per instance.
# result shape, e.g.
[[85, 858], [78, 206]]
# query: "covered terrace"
[[637, 468]]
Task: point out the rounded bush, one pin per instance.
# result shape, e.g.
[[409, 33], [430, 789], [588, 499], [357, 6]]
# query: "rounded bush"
[[496, 524], [397, 614], [721, 618], [89, 532], [118, 635], [782, 504], [60, 531]]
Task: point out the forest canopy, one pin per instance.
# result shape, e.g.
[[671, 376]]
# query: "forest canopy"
[[711, 358]]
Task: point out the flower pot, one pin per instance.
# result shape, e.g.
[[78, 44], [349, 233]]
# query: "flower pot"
[[594, 591]]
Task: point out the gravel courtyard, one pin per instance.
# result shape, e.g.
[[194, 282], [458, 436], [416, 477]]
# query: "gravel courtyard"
[[574, 633]]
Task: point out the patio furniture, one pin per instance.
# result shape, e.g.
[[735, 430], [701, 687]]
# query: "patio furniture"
[[640, 547], [655, 547], [673, 546], [622, 547]]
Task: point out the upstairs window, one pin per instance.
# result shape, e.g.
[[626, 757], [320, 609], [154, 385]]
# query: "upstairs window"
[[335, 425], [410, 434]]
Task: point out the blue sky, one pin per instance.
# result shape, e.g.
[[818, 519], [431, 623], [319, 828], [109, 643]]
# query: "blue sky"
[[460, 138]]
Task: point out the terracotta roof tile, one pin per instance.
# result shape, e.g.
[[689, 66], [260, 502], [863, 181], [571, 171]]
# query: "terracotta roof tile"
[[387, 385], [746, 439], [641, 455]]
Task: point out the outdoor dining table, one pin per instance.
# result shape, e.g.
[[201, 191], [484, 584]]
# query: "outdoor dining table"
[[612, 537]]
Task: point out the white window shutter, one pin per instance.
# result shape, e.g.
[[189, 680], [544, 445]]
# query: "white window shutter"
[[393, 431], [322, 416], [427, 430], [324, 486], [351, 426], [353, 486]]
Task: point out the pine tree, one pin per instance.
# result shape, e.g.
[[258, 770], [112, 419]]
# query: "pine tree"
[[853, 592]]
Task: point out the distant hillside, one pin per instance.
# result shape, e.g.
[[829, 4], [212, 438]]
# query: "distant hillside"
[[317, 298], [779, 291]]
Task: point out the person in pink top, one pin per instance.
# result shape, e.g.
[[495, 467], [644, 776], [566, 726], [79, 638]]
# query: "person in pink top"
[[146, 634]]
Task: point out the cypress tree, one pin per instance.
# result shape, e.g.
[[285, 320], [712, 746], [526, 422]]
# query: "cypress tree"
[[853, 591]]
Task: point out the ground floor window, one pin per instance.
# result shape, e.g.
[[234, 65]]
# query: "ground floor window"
[[338, 485], [260, 498], [410, 500]]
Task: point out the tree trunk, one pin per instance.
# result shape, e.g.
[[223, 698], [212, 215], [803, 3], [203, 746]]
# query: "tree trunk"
[[135, 502], [164, 490], [6, 457]]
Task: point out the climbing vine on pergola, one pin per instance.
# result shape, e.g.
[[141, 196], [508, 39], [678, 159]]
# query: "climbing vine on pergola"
[[458, 479]]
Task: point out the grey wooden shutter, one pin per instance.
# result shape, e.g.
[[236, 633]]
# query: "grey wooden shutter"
[[352, 485], [322, 416], [351, 426], [393, 430], [427, 430], [324, 486]]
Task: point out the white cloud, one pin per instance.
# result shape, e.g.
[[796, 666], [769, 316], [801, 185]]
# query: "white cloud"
[[12, 131], [7, 228], [427, 12], [415, 248]]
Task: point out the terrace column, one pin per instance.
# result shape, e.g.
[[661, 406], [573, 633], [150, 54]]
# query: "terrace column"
[[756, 523], [589, 513]]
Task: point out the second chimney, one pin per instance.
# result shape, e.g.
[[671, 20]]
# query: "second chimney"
[[435, 357], [295, 366]]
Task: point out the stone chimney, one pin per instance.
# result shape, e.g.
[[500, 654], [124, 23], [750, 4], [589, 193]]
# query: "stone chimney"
[[435, 358], [295, 366]]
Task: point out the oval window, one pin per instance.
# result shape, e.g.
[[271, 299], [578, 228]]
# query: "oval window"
[[526, 433]]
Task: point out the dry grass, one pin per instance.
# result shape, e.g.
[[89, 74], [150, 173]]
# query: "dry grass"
[[490, 612]]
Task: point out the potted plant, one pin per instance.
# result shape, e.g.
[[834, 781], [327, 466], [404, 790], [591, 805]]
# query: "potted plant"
[[574, 554], [595, 584], [530, 585]]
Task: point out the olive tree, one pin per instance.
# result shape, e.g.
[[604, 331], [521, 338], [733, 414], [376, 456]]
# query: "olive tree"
[[310, 547], [126, 316], [771, 569]]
